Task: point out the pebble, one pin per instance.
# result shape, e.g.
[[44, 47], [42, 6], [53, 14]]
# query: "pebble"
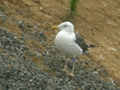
[[21, 24]]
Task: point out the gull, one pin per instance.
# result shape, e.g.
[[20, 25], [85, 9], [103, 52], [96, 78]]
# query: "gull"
[[70, 43]]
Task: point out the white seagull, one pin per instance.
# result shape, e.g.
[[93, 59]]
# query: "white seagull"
[[69, 43]]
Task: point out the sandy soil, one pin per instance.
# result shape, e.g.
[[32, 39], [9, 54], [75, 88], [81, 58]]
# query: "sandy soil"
[[97, 21]]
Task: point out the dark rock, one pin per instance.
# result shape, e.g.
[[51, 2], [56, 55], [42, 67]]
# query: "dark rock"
[[3, 17], [21, 24]]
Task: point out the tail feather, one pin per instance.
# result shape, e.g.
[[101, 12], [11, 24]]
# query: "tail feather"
[[88, 46], [91, 46]]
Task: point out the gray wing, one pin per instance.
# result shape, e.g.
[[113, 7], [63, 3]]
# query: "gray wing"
[[81, 42]]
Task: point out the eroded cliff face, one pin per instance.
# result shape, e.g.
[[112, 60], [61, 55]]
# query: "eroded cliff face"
[[97, 21]]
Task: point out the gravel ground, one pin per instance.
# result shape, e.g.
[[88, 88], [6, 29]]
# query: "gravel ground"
[[19, 73]]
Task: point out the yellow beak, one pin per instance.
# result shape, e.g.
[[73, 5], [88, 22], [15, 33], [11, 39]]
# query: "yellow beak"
[[55, 27]]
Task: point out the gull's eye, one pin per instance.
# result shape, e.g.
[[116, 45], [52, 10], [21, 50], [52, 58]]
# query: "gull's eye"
[[65, 25]]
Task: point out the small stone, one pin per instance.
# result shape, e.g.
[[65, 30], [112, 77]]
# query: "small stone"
[[113, 49], [21, 24], [41, 8]]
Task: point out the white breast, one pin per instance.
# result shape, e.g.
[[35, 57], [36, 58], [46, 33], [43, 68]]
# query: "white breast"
[[65, 43]]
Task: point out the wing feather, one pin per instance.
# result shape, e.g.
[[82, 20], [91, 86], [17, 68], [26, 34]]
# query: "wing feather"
[[81, 42]]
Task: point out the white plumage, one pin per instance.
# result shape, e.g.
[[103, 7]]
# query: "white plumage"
[[65, 40], [68, 43]]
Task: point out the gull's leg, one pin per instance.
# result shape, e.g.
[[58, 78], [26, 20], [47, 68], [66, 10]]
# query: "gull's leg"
[[73, 67], [66, 66]]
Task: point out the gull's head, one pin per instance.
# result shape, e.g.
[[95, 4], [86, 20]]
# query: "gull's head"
[[66, 26]]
